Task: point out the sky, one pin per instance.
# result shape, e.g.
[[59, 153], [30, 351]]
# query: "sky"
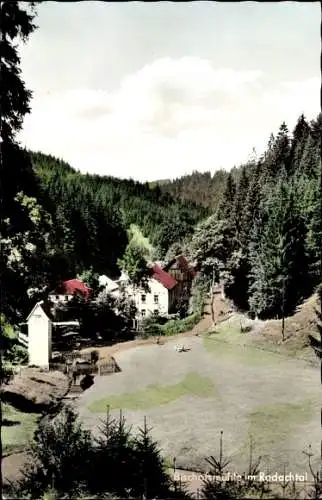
[[157, 90]]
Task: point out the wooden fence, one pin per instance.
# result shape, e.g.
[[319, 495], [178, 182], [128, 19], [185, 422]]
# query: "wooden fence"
[[23, 339], [105, 368], [61, 367], [72, 356]]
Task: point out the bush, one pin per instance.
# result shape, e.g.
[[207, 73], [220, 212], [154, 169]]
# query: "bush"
[[60, 457], [157, 326], [176, 326], [17, 355], [152, 325], [6, 373]]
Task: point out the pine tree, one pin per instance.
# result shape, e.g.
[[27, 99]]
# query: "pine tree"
[[314, 231], [239, 202], [301, 133], [251, 204], [277, 157], [17, 175], [16, 24], [113, 462], [152, 480], [228, 199], [279, 262], [310, 158]]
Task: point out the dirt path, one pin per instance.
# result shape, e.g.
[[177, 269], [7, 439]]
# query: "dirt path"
[[12, 465]]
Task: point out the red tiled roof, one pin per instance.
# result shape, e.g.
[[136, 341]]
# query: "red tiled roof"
[[70, 287], [163, 277]]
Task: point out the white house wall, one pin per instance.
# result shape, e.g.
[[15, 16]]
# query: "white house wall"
[[59, 298], [39, 338], [150, 305]]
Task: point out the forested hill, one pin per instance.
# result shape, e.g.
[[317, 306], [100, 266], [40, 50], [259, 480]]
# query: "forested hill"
[[203, 188], [207, 188], [265, 239], [92, 213]]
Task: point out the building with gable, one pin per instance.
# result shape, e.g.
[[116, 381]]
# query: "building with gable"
[[69, 289], [157, 298]]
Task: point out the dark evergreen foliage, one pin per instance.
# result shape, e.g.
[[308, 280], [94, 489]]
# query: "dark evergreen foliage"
[[270, 222], [60, 456], [69, 461], [92, 214]]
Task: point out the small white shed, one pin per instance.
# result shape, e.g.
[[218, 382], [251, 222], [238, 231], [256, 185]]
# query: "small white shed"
[[39, 337]]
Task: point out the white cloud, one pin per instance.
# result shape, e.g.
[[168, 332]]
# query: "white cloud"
[[168, 118]]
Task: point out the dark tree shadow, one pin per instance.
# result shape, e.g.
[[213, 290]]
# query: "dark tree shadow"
[[10, 423]]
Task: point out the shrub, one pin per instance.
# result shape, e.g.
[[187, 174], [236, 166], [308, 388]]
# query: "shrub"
[[152, 325], [18, 355], [176, 326], [6, 373]]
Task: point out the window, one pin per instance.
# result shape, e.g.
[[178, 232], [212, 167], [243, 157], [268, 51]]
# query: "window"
[[143, 313], [156, 312], [156, 299], [143, 298]]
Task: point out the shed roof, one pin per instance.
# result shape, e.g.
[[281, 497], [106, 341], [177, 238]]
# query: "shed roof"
[[45, 307]]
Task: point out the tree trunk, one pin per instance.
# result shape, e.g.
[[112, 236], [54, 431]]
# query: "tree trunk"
[[212, 298], [222, 292]]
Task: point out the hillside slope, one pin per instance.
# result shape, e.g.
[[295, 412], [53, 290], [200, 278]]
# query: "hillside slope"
[[92, 213], [203, 188], [298, 328]]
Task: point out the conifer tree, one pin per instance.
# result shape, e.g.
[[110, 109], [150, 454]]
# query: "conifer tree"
[[251, 204], [225, 209], [279, 263], [113, 463], [239, 202], [310, 158], [300, 135], [152, 480]]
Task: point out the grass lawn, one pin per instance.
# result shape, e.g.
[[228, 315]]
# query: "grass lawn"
[[230, 330], [240, 353], [17, 429], [156, 395], [275, 423]]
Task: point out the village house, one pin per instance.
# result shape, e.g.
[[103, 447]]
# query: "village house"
[[183, 273], [108, 284], [158, 297], [69, 289], [165, 287]]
